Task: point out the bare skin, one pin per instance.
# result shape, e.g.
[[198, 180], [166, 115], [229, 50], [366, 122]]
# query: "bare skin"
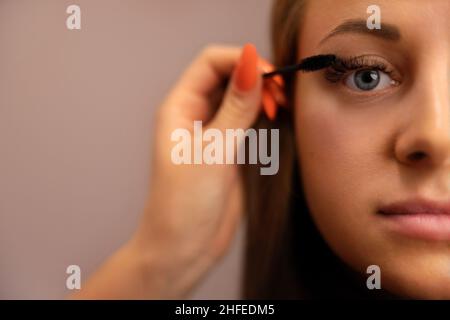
[[354, 153], [192, 211], [354, 147]]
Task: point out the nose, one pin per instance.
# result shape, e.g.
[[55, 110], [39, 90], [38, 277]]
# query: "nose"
[[425, 139]]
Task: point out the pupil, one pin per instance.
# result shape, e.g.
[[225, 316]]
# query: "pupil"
[[367, 79]]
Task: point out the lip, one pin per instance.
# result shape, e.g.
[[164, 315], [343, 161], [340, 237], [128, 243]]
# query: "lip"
[[418, 218]]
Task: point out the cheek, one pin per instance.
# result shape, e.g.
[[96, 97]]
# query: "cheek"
[[336, 145], [340, 159], [330, 158]]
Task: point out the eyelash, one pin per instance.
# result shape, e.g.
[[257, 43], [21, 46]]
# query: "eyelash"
[[342, 67]]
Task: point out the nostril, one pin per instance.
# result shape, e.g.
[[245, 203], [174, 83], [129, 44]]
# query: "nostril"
[[417, 156]]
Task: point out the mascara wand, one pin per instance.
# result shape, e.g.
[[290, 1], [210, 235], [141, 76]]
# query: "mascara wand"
[[309, 64]]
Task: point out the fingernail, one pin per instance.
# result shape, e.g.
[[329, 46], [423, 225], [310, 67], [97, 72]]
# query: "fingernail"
[[246, 70], [268, 67], [276, 91], [269, 105]]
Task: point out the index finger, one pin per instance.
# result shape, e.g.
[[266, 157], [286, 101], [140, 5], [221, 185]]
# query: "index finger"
[[208, 71]]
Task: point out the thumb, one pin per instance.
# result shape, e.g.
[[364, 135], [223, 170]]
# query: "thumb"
[[242, 101]]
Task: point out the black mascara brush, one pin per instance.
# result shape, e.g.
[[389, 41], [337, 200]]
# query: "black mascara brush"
[[309, 64]]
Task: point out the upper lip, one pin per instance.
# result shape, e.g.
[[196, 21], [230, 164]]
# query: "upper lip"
[[416, 206]]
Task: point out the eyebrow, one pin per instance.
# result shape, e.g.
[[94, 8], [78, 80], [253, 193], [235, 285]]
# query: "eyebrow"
[[387, 31]]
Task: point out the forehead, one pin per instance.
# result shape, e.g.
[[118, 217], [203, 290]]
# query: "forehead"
[[425, 21]]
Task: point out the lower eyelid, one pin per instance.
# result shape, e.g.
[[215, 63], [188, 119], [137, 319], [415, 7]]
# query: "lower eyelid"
[[337, 78], [385, 80], [361, 96]]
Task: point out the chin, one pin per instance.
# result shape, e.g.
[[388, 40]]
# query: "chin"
[[415, 273], [418, 284], [410, 269]]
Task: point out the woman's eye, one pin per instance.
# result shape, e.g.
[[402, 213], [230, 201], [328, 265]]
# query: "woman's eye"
[[368, 79]]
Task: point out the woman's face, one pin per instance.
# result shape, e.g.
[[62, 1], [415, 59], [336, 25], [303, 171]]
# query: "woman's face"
[[370, 138]]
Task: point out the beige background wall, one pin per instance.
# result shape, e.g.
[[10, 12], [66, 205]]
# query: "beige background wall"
[[75, 125]]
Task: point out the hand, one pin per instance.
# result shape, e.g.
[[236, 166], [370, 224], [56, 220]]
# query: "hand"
[[193, 210]]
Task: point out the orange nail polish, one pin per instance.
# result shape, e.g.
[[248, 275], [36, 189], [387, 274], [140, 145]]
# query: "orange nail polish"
[[246, 70], [268, 67], [273, 91], [269, 105], [276, 91]]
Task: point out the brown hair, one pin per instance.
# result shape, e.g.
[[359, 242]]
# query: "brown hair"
[[268, 196], [285, 256]]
